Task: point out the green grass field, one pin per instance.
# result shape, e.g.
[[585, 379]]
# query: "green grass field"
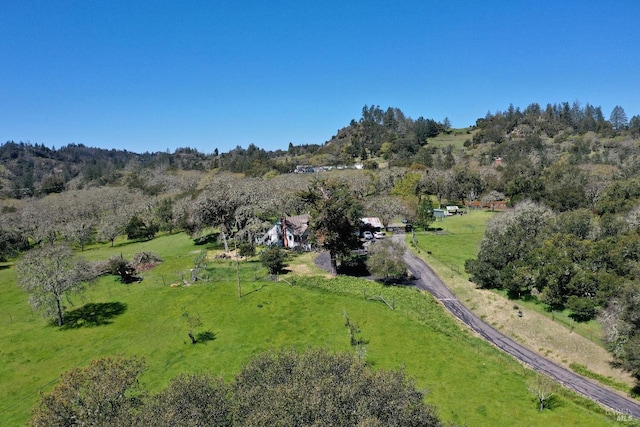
[[469, 381], [458, 238], [457, 137]]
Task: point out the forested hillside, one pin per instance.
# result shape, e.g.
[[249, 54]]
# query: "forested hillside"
[[571, 173]]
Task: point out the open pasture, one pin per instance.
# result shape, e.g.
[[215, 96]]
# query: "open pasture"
[[469, 381]]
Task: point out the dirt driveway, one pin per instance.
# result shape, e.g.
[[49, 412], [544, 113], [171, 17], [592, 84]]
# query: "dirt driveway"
[[428, 281]]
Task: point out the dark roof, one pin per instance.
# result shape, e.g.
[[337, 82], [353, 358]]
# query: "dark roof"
[[297, 224]]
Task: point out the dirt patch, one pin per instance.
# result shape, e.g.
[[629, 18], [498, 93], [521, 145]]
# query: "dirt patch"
[[300, 269], [306, 264], [217, 255]]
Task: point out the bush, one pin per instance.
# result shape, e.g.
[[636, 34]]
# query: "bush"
[[119, 266], [246, 250], [582, 309], [386, 260], [273, 259]]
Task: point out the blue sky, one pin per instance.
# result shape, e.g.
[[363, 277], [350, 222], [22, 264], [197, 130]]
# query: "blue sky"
[[158, 75]]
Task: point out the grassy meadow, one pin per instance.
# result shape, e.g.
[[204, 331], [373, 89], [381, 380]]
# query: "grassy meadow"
[[468, 380], [456, 137]]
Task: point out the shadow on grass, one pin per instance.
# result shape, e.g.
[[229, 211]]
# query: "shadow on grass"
[[119, 244], [552, 402], [635, 391], [93, 314], [212, 241], [255, 290], [204, 337], [354, 267], [400, 281]]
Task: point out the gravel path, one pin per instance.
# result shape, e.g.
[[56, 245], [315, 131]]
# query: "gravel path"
[[323, 260], [428, 281]]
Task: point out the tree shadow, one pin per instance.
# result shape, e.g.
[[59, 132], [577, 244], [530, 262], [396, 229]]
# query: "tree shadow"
[[553, 402], [355, 267], [212, 241], [204, 337], [254, 290], [93, 314], [395, 281]]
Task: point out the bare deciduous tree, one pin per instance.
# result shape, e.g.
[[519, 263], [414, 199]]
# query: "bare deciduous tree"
[[386, 208], [49, 274], [543, 388]]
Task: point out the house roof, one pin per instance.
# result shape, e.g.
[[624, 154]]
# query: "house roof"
[[297, 224], [373, 222]]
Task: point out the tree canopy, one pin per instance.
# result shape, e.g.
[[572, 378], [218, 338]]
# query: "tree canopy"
[[335, 217], [386, 260], [49, 274], [621, 327], [105, 393], [313, 388]]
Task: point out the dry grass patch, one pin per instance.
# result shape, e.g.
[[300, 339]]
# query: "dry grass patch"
[[303, 264], [533, 330]]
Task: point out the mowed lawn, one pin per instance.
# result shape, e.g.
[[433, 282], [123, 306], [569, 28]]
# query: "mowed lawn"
[[469, 381], [457, 238]]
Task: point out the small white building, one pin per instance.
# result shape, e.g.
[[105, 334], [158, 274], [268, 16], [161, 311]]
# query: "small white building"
[[440, 213]]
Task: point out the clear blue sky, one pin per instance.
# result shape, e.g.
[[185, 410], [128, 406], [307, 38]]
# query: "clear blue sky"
[[157, 75]]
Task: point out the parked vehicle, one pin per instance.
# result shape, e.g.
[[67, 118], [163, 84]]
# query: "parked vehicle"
[[378, 235], [367, 235]]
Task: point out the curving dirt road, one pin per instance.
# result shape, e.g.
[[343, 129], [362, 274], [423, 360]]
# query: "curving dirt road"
[[428, 281]]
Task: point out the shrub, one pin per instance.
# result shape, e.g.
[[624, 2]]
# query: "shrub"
[[582, 309], [119, 266], [246, 250], [273, 259], [386, 260]]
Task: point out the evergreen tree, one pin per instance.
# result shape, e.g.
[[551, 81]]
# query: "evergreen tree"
[[335, 216], [618, 118]]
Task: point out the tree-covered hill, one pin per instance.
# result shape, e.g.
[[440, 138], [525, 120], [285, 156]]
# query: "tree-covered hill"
[[36, 170], [533, 139]]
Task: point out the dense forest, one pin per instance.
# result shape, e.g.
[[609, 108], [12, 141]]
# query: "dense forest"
[[570, 173]]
